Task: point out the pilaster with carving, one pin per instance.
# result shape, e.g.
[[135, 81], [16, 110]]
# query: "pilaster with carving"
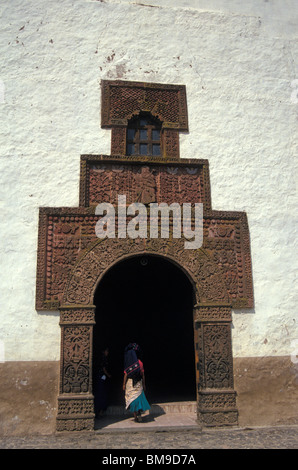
[[216, 394], [75, 400]]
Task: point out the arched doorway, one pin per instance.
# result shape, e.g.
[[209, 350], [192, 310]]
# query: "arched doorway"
[[126, 294], [149, 300]]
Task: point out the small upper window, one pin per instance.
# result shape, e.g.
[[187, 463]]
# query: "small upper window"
[[143, 136]]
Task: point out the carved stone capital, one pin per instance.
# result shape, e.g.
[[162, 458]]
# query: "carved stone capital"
[[212, 313], [77, 314]]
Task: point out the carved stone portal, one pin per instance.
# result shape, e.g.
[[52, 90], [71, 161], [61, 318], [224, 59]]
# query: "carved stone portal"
[[72, 261]]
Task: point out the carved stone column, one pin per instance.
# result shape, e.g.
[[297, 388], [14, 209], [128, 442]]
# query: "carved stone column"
[[75, 400], [216, 394]]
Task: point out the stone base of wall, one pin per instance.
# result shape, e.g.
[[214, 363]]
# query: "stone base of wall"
[[267, 394], [267, 391], [28, 403]]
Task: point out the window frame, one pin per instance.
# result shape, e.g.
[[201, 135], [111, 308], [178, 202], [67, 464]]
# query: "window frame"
[[137, 126]]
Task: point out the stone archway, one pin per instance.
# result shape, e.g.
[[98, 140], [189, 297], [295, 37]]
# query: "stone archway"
[[212, 323], [147, 299]]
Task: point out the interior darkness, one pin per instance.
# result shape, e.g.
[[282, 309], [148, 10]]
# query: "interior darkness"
[[147, 300]]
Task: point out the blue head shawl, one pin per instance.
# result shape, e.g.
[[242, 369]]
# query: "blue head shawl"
[[131, 363]]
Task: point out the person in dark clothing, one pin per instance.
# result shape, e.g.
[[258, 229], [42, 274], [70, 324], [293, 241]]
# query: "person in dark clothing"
[[101, 389]]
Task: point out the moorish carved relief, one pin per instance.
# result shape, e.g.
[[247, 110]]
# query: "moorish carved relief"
[[72, 259]]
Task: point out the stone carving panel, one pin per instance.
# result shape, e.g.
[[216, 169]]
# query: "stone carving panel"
[[77, 315], [216, 367], [71, 258], [200, 268], [122, 100], [75, 370], [75, 406], [217, 401], [164, 182], [205, 313]]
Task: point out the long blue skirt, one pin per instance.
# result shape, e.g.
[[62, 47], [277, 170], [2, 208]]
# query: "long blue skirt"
[[139, 403]]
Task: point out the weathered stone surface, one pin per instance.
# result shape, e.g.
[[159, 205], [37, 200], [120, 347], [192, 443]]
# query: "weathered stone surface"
[[176, 441], [28, 397], [267, 390]]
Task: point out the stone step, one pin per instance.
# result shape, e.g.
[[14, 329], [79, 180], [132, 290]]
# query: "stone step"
[[157, 408]]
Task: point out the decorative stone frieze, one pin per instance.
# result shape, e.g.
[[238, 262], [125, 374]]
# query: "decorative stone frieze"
[[217, 408]]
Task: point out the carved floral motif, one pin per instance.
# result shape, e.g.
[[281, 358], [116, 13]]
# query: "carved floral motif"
[[76, 363], [217, 365]]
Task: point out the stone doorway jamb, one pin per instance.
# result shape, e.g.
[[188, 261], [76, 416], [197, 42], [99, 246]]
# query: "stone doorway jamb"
[[216, 394], [76, 400]]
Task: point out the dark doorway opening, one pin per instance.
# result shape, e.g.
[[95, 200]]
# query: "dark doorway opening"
[[148, 300]]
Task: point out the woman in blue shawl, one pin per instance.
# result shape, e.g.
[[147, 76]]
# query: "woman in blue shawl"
[[134, 382]]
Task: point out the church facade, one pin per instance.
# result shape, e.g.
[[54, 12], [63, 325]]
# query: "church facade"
[[89, 264]]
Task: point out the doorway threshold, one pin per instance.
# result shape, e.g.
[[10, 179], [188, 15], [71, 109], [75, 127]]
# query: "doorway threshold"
[[161, 417]]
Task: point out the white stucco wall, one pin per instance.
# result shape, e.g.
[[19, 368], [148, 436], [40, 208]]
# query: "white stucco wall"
[[237, 60]]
